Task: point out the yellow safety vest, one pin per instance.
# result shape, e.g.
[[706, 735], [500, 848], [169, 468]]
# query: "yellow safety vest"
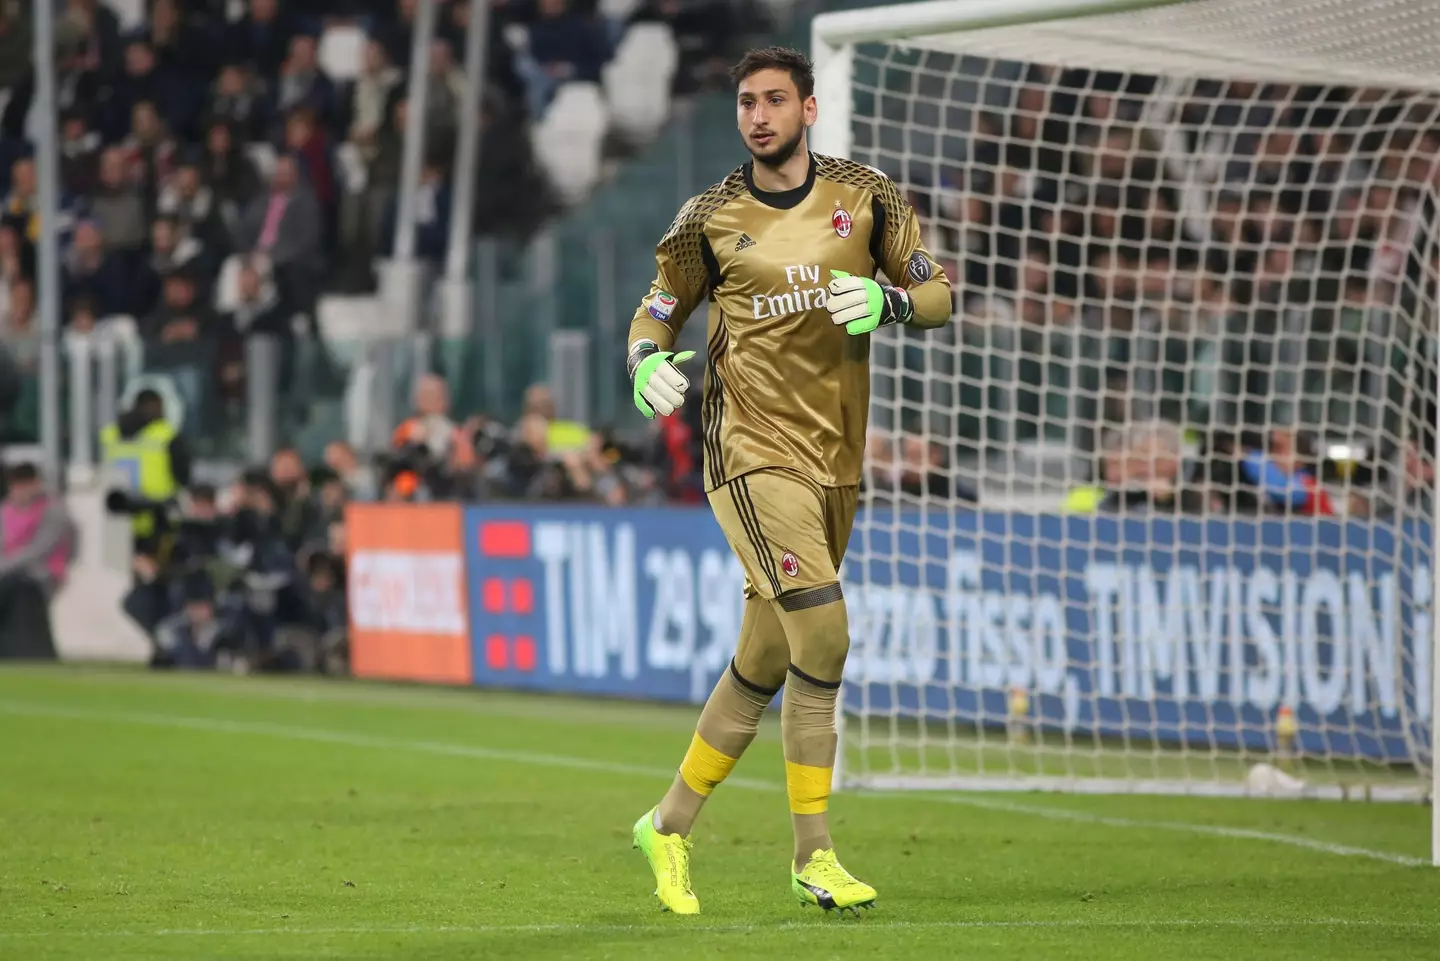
[[1084, 500], [142, 465], [564, 436]]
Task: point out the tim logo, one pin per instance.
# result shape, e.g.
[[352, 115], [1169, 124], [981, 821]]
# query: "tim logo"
[[662, 306], [842, 222]]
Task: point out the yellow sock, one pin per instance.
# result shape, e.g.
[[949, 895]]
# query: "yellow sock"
[[704, 767]]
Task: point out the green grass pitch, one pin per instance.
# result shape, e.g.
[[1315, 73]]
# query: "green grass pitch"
[[188, 817]]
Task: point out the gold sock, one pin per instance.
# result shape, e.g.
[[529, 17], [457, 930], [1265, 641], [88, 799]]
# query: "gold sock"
[[727, 726], [807, 724]]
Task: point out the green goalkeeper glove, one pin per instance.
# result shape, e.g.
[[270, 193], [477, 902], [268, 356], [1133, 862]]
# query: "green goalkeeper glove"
[[863, 305], [659, 387]]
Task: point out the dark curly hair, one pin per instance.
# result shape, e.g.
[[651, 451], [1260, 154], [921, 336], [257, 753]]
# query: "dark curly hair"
[[793, 62]]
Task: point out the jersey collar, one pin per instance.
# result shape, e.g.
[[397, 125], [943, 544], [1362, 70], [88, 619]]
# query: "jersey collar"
[[780, 199]]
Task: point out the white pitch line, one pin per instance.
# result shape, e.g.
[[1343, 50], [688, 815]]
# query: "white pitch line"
[[319, 735], [818, 924], [1213, 830], [538, 759]]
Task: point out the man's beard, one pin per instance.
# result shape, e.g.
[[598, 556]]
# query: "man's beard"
[[782, 153]]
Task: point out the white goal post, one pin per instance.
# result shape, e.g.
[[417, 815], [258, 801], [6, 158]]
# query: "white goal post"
[[1154, 514]]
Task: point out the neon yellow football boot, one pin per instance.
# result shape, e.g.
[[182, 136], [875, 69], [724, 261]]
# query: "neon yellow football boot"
[[827, 885], [669, 857]]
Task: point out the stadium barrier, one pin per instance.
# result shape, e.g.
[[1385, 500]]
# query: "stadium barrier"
[[1178, 631]]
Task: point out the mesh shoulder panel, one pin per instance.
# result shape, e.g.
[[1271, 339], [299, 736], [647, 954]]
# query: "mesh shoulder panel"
[[850, 173], [684, 241]]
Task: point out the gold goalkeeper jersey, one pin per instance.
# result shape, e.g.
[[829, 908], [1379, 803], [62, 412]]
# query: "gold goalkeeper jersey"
[[784, 385]]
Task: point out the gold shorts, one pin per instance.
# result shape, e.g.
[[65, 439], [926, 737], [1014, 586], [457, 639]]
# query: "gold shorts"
[[789, 533]]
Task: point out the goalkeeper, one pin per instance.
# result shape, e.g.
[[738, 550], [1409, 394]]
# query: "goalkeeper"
[[785, 248]]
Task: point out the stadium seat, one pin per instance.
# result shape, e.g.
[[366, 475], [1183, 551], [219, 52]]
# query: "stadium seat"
[[640, 105], [568, 139], [342, 52], [637, 81], [648, 48]]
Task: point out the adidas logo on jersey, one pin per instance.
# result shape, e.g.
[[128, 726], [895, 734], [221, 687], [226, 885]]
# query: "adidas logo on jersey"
[[744, 242]]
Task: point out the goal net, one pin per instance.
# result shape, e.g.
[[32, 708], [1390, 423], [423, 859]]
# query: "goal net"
[[1154, 512]]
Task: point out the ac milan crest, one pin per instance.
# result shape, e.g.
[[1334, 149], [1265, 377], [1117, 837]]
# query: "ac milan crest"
[[789, 563], [842, 222]]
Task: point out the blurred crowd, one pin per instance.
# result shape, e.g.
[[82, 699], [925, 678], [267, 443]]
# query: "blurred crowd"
[[1217, 299], [223, 165], [1241, 275], [251, 576]]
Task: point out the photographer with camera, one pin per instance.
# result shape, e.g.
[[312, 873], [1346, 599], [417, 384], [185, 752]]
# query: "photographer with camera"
[[148, 458], [431, 454]]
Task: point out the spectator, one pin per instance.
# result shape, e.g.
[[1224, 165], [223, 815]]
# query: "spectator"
[[181, 53], [285, 225], [198, 636], [326, 614], [562, 436], [372, 209], [22, 205], [432, 216], [182, 340], [1142, 470], [302, 83], [35, 551], [593, 473], [258, 309], [261, 38], [80, 316], [142, 81], [297, 513], [500, 73], [442, 104], [166, 256], [150, 150], [79, 155], [359, 481], [228, 172], [15, 266], [370, 99], [89, 272], [11, 391], [195, 208], [395, 34], [119, 209], [564, 46], [307, 141], [20, 328], [913, 468], [429, 443], [704, 31], [96, 45], [238, 100], [528, 471], [512, 195], [1284, 474], [171, 246]]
